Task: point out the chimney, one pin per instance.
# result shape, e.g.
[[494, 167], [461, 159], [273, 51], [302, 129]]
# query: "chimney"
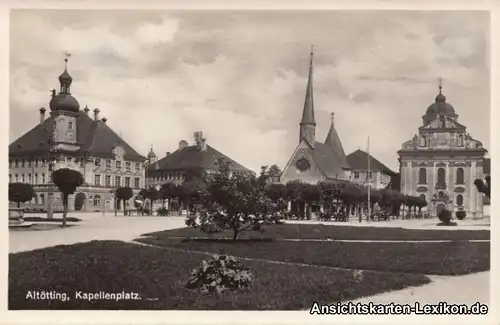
[[183, 144], [42, 115], [86, 110], [96, 114], [168, 153], [203, 144], [104, 120]]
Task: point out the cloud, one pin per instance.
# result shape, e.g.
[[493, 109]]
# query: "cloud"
[[241, 76]]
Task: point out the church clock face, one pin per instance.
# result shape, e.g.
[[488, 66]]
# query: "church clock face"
[[303, 164]]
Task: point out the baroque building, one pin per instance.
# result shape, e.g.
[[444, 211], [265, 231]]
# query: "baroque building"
[[71, 138], [314, 161], [441, 162]]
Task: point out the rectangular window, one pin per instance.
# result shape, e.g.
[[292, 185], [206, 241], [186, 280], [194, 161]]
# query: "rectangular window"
[[127, 166], [137, 182], [127, 181], [97, 180], [16, 163], [23, 162], [108, 164], [29, 178], [108, 181], [118, 181], [36, 178], [118, 165], [30, 163], [43, 178], [98, 162], [137, 166], [356, 175]]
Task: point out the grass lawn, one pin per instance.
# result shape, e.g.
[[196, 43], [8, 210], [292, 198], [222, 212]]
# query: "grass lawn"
[[113, 266], [298, 231], [448, 258]]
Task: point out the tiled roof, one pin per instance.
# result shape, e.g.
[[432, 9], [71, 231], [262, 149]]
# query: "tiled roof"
[[192, 157], [487, 166], [358, 160], [95, 137], [328, 160], [333, 141]]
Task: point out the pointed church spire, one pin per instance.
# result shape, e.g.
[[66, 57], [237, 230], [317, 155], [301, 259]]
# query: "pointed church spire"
[[308, 124]]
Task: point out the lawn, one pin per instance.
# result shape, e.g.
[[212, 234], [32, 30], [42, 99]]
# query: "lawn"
[[160, 274], [298, 231], [447, 258]]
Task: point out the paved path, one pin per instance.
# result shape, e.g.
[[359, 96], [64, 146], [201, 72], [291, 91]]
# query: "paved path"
[[465, 289], [92, 227], [467, 224]]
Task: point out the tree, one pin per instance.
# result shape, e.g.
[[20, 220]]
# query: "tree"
[[20, 193], [484, 187], [233, 200], [124, 194], [67, 180], [195, 182], [274, 173], [151, 194], [168, 191]]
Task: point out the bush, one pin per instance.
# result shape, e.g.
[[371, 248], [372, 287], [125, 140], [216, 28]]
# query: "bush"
[[460, 215], [445, 216], [220, 274], [162, 211]]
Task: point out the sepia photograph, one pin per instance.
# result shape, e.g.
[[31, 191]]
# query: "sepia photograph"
[[334, 162]]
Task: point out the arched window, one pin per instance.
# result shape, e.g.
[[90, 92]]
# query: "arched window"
[[42, 199], [422, 176], [460, 200], [460, 176], [423, 141], [70, 125], [35, 199], [460, 140], [441, 176], [97, 200]]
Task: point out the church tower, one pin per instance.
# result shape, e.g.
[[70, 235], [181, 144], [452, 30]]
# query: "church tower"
[[64, 111], [308, 124]]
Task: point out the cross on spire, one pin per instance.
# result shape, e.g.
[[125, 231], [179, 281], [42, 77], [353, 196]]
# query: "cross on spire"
[[66, 56], [332, 116], [440, 83]]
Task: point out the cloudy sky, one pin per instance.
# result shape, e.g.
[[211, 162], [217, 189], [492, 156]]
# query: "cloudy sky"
[[240, 77]]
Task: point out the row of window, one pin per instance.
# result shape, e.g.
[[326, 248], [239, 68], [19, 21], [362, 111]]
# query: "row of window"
[[31, 179], [28, 162], [117, 181], [118, 164], [441, 179], [177, 176], [356, 175], [43, 162], [459, 198]]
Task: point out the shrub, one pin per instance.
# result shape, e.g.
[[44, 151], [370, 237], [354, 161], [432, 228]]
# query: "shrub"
[[220, 274], [460, 215], [445, 216], [162, 211], [20, 193]]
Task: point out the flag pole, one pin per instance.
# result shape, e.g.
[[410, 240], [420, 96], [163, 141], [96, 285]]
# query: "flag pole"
[[368, 177]]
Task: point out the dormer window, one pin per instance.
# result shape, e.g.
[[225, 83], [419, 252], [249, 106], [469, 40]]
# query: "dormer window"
[[98, 162], [108, 164]]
